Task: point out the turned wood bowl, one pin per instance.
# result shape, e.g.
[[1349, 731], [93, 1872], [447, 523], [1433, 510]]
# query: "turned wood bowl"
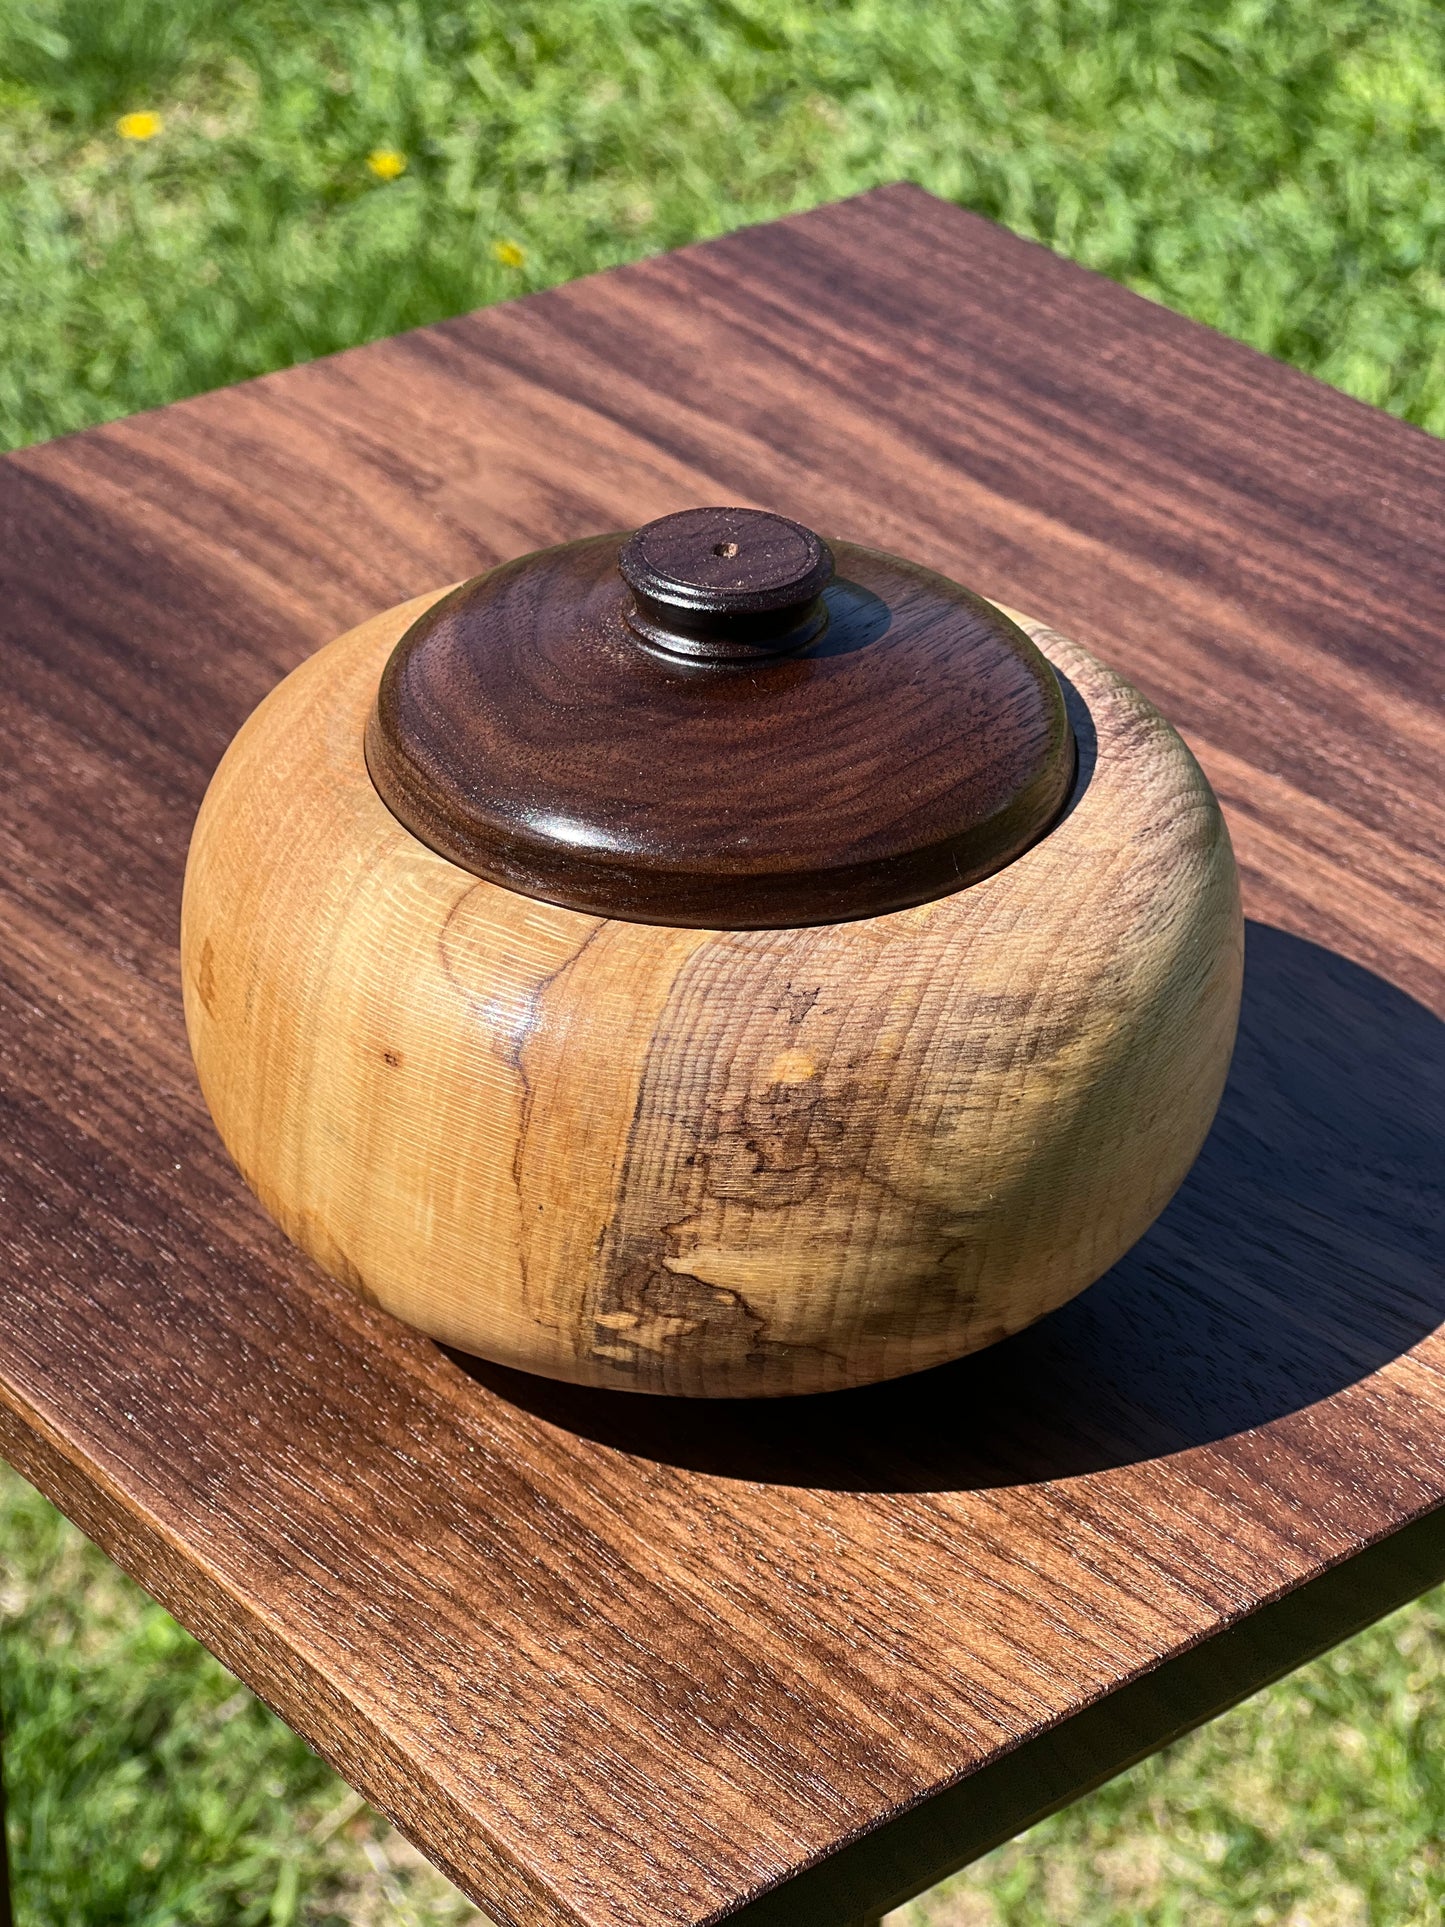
[[711, 962]]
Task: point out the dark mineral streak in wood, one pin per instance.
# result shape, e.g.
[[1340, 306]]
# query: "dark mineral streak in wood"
[[779, 772], [610, 1667]]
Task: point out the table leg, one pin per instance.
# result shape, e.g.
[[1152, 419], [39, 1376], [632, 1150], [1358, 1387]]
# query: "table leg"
[[7, 1919]]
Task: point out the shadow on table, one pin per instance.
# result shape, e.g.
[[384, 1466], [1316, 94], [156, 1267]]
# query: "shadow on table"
[[1301, 1254]]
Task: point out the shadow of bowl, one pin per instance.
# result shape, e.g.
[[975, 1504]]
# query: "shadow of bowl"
[[1300, 1255]]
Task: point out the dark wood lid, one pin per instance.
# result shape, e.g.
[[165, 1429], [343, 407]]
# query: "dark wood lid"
[[721, 721]]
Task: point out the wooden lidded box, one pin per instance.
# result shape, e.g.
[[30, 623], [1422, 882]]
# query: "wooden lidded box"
[[711, 961]]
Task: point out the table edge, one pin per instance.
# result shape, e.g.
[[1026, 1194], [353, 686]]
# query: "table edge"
[[947, 1830]]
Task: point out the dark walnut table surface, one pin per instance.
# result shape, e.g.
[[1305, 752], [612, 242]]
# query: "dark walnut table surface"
[[614, 1661]]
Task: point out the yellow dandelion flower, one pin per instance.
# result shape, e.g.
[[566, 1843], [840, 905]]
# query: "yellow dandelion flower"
[[386, 163], [139, 127], [508, 253]]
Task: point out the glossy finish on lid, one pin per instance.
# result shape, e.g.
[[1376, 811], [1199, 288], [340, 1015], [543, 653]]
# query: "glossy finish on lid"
[[653, 728]]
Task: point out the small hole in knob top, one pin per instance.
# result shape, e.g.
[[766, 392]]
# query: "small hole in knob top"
[[726, 560]]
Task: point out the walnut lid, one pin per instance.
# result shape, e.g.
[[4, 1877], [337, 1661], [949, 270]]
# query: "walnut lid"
[[722, 721]]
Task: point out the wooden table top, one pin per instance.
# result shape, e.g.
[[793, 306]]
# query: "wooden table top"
[[608, 1660]]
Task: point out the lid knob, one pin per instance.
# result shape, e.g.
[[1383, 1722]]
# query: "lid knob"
[[726, 585]]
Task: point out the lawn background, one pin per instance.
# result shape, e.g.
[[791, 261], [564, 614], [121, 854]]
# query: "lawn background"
[[314, 173]]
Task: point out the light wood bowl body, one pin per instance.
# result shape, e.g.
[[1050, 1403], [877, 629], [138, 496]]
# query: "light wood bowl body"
[[719, 1163]]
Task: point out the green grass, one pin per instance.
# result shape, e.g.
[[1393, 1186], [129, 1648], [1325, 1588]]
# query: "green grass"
[[1274, 167]]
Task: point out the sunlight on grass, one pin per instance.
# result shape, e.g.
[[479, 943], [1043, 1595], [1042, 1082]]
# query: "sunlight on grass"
[[1273, 167]]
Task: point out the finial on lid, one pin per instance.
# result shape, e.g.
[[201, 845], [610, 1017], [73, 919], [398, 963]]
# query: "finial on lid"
[[726, 585]]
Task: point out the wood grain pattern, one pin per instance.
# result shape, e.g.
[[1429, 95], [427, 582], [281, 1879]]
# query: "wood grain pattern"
[[525, 731], [721, 1164], [612, 1660]]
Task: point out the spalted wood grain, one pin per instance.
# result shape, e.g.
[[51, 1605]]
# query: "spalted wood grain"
[[616, 1660], [717, 1163]]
